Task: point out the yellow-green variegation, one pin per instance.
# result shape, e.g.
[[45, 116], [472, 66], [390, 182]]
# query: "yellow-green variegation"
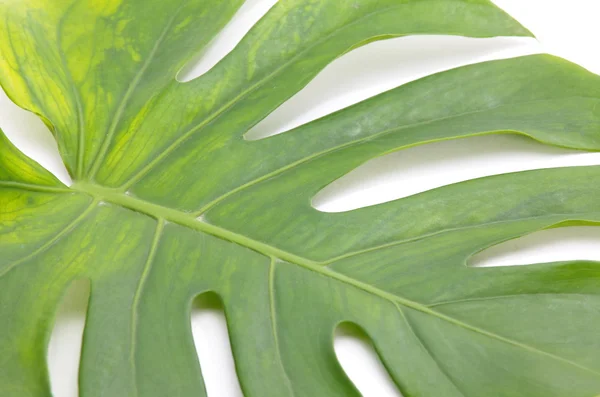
[[169, 201]]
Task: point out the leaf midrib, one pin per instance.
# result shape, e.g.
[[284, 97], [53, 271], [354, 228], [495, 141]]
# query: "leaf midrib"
[[161, 213]]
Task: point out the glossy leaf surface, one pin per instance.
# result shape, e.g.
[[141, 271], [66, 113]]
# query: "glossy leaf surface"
[[169, 201]]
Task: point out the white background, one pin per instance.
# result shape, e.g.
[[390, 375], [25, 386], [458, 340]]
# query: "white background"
[[565, 28]]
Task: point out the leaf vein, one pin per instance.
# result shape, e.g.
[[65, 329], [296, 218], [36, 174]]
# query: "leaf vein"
[[137, 297], [76, 96], [66, 230], [223, 109], [273, 316], [371, 138], [33, 188], [435, 360], [130, 90], [188, 221], [500, 297]]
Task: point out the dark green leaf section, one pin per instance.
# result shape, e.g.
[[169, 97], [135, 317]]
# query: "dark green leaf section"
[[278, 211], [188, 263], [149, 155], [540, 96]]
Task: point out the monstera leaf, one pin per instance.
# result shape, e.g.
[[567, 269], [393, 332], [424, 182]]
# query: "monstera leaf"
[[169, 201]]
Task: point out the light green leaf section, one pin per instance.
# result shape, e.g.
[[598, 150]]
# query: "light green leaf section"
[[170, 201], [84, 66]]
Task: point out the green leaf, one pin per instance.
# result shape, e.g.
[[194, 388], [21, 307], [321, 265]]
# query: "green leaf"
[[169, 201]]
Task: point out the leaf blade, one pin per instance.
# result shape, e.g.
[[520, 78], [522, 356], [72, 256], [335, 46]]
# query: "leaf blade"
[[287, 274]]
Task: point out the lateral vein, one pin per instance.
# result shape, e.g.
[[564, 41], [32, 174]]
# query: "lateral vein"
[[273, 315], [435, 360], [130, 90], [138, 294], [216, 114], [66, 230]]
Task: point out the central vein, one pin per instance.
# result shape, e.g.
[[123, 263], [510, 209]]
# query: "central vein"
[[188, 220]]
